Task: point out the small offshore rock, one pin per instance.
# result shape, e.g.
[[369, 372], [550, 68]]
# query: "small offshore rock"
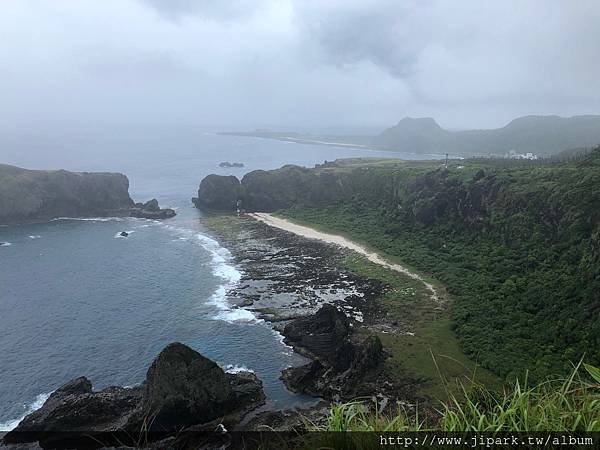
[[229, 165], [151, 210]]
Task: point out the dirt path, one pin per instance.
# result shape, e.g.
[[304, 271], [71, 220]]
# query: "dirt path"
[[311, 233]]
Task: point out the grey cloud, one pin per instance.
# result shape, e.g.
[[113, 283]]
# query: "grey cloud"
[[532, 55], [298, 62], [214, 9], [349, 32]]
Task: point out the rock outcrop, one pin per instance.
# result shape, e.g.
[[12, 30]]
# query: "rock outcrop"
[[73, 411], [182, 389], [39, 195], [218, 193], [227, 164], [267, 191], [344, 366], [151, 210]]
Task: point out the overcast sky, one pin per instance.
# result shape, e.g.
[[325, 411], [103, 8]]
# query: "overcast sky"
[[254, 63]]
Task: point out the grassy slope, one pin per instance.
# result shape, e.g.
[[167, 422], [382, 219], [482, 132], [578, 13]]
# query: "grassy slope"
[[433, 353], [519, 265]]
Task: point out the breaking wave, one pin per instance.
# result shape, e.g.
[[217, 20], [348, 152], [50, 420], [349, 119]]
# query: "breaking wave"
[[223, 269], [234, 368], [37, 404]]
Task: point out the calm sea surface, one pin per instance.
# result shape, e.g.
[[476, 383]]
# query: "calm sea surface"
[[76, 299]]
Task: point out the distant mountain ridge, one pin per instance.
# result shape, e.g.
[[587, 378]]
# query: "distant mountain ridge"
[[542, 135]]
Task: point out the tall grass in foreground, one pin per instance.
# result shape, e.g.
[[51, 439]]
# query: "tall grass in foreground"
[[567, 404]]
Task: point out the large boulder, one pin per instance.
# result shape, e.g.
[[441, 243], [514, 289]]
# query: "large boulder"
[[219, 193], [183, 388], [324, 335], [343, 365]]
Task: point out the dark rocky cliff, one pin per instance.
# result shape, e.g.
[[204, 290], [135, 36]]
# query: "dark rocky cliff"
[[271, 190], [218, 192], [37, 195], [40, 195]]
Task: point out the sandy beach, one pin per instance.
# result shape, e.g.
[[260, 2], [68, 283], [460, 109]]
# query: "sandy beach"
[[311, 233]]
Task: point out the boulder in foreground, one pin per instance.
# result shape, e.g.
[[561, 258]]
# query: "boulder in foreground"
[[182, 389]]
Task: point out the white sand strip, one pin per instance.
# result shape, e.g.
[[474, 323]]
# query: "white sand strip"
[[311, 233]]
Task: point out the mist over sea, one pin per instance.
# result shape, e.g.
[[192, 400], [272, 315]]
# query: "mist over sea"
[[77, 299]]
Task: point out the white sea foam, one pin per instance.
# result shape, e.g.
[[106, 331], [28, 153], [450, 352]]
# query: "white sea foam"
[[5, 244], [281, 338], [92, 219], [234, 368], [37, 404], [221, 268], [35, 236], [236, 315]]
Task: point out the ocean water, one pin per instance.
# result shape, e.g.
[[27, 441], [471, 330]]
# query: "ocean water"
[[77, 299]]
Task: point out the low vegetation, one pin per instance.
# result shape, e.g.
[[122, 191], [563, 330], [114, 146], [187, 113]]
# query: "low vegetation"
[[427, 349], [517, 248], [567, 404]]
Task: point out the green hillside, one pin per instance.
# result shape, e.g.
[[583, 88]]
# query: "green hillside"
[[516, 244]]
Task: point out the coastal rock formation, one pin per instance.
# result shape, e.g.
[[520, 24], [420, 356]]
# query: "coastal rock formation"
[[218, 192], [151, 210], [343, 366], [323, 336], [182, 389], [267, 191], [74, 410], [39, 195]]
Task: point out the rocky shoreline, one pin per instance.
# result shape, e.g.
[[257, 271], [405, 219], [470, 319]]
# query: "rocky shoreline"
[[324, 311], [300, 287]]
